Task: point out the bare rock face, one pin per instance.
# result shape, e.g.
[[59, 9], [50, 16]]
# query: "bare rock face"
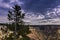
[[36, 34], [49, 33]]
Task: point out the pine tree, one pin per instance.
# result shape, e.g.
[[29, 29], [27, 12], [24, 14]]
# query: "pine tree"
[[17, 26]]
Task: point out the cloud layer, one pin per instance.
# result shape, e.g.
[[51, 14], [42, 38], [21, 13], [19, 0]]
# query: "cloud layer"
[[39, 6], [37, 11]]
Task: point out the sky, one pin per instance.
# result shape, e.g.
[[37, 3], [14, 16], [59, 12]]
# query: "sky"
[[36, 11]]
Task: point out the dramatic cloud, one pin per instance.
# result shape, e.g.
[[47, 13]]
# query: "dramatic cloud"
[[6, 5], [31, 17], [40, 6], [55, 13], [37, 11]]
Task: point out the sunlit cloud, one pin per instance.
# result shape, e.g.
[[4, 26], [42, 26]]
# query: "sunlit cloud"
[[36, 11]]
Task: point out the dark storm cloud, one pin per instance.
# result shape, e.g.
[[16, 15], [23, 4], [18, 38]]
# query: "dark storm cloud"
[[39, 5]]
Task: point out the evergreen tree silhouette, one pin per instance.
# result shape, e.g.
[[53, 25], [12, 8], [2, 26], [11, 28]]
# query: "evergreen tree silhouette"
[[18, 27]]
